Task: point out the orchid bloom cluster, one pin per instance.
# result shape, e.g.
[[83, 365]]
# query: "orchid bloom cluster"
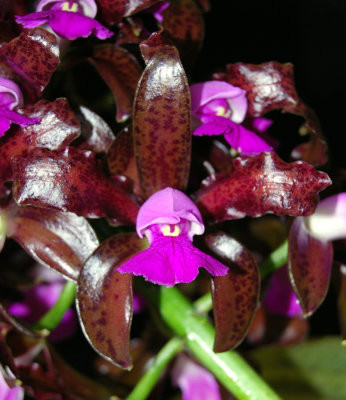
[[105, 185]]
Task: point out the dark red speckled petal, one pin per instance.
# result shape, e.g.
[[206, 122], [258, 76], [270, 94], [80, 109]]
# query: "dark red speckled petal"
[[270, 86], [161, 126], [342, 301], [310, 262], [57, 128], [61, 241], [112, 11], [70, 180], [184, 23], [104, 298], [34, 56], [235, 295], [263, 184], [121, 71]]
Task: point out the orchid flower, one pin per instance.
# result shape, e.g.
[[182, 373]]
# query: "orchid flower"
[[169, 220], [220, 108], [37, 301], [68, 19], [195, 382], [10, 97], [279, 297], [8, 393]]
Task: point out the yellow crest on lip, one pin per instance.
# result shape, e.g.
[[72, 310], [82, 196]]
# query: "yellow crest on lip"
[[223, 112], [166, 230], [66, 7]]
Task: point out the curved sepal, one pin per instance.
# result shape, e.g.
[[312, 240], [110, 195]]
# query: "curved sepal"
[[161, 126], [263, 184], [121, 71], [235, 295], [104, 298], [309, 262], [61, 241]]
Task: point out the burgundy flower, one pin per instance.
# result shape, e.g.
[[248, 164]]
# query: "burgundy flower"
[[68, 19], [169, 219], [221, 108], [11, 97]]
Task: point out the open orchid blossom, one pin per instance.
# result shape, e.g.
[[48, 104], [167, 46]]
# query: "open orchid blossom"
[[68, 19], [328, 222], [8, 393], [220, 108], [195, 382], [11, 97], [169, 220], [279, 297], [37, 301]]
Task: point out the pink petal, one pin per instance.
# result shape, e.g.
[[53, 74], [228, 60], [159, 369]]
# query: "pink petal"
[[246, 142], [6, 393], [213, 125], [329, 219], [85, 7], [172, 260], [10, 94], [203, 93], [7, 117], [68, 25], [279, 297], [195, 382], [169, 206], [261, 124]]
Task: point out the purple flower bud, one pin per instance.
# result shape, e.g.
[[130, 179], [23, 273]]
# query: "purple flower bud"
[[220, 108], [169, 219]]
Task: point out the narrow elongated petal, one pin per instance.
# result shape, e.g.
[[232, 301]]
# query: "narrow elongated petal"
[[61, 241], [7, 117], [104, 298], [161, 125], [342, 302], [310, 261], [262, 184], [169, 261], [235, 295]]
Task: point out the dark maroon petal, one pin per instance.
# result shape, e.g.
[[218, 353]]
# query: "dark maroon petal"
[[342, 301], [121, 71], [154, 43], [104, 298], [235, 295], [70, 180], [184, 23], [61, 241], [132, 30], [220, 157], [97, 136], [58, 126], [112, 11], [6, 355], [263, 184], [33, 56], [270, 86], [161, 126], [310, 262]]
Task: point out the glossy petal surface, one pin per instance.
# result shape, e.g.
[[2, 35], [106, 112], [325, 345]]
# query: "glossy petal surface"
[[162, 124], [104, 298], [34, 56], [310, 262], [61, 241], [58, 127], [263, 184], [342, 301], [70, 180], [121, 71], [235, 295]]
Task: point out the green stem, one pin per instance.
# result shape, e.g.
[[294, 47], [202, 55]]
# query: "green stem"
[[229, 367], [53, 317], [276, 259], [149, 379]]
